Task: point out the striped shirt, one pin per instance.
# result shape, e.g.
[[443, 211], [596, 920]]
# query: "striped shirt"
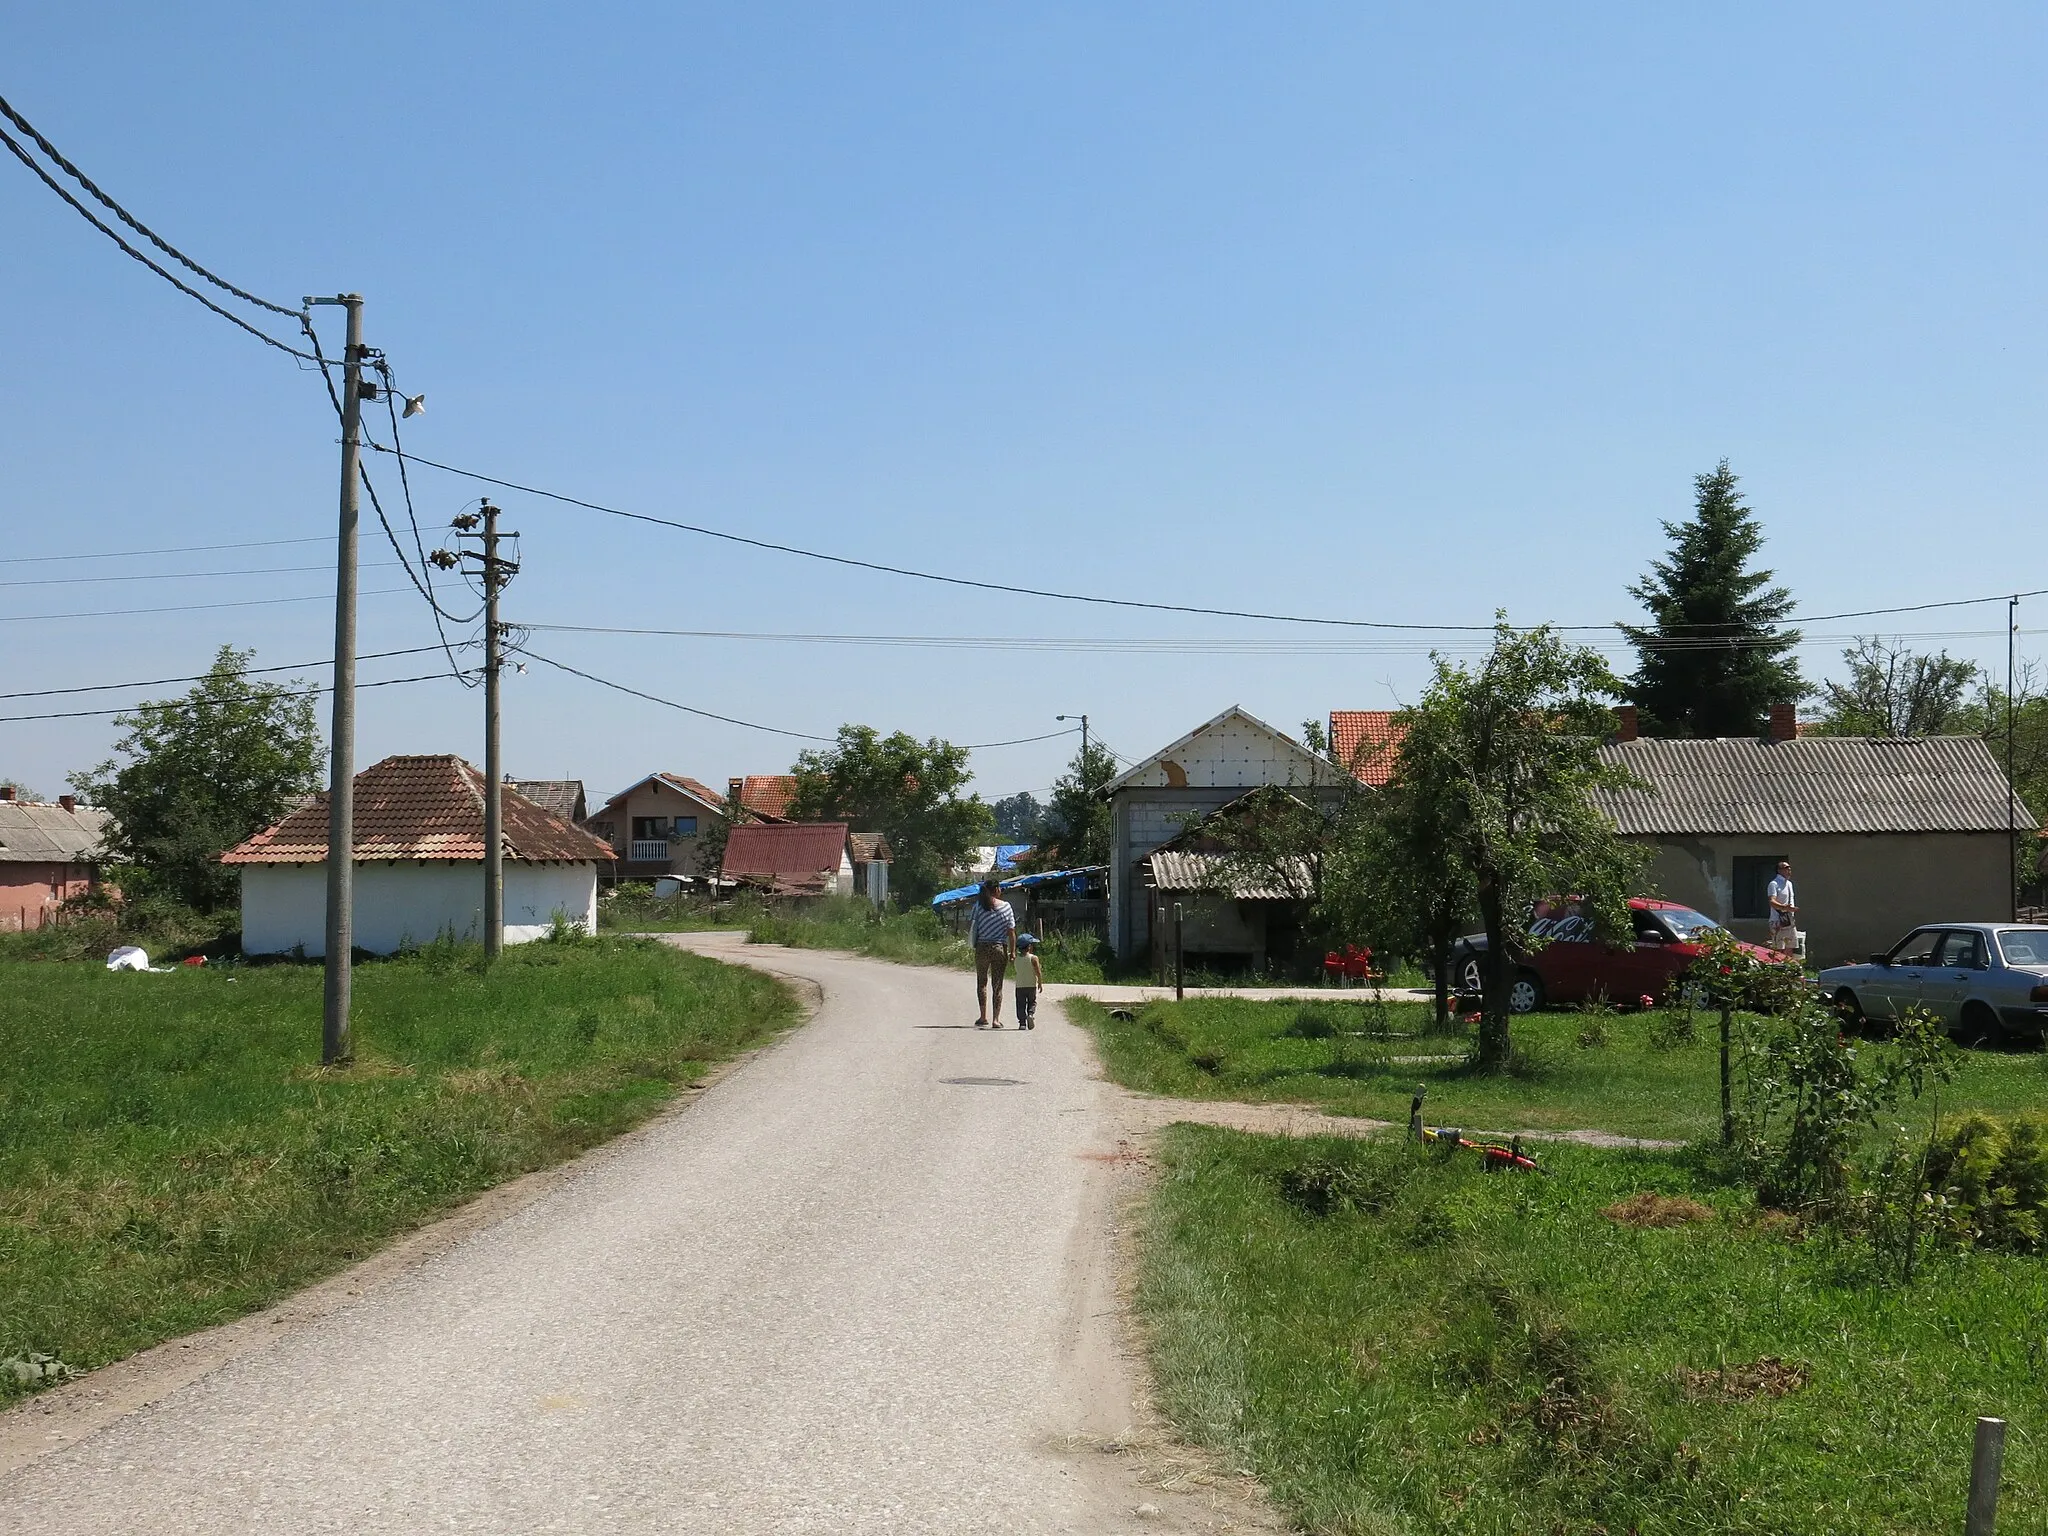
[[994, 924]]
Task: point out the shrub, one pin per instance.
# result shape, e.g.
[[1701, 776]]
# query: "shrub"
[[1994, 1176]]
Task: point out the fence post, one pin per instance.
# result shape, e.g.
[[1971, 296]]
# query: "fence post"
[[1727, 1097], [1178, 973], [1986, 1458]]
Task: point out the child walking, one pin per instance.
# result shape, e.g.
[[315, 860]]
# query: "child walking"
[[1029, 974]]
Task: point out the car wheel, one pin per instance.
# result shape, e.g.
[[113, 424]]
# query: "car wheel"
[[1978, 1025], [1471, 980], [1525, 992], [1849, 1010]]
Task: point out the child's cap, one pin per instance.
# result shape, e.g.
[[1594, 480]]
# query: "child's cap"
[[1024, 939]]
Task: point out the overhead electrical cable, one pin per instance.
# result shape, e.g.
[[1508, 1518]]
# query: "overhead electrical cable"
[[122, 613], [83, 714], [199, 677], [688, 709], [181, 549], [1705, 640], [261, 570], [104, 228]]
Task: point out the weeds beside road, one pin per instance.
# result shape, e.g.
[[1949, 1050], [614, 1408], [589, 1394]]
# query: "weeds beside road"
[[1395, 1343], [1626, 1073], [172, 1156]]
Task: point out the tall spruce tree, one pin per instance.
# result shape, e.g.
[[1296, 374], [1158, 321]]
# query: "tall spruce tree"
[[1704, 592]]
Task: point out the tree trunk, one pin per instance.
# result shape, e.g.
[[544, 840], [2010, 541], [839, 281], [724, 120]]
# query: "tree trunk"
[[1440, 955], [1494, 1043]]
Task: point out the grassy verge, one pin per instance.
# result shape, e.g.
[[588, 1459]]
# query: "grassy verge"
[[1396, 1344], [1636, 1082], [171, 1155]]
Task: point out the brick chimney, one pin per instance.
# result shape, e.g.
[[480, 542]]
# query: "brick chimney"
[[1629, 726], [6, 791], [732, 787], [1784, 722], [69, 802]]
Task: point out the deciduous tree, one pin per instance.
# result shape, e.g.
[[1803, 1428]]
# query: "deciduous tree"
[[1076, 819], [1510, 754], [201, 773], [907, 789], [1894, 691]]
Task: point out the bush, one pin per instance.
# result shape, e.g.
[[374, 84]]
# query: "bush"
[[1994, 1175]]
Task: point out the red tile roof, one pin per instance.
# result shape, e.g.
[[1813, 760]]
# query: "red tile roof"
[[1364, 741], [768, 794], [702, 791], [417, 808], [789, 858]]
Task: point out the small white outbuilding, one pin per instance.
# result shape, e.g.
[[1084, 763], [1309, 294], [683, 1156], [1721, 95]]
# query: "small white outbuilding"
[[419, 870]]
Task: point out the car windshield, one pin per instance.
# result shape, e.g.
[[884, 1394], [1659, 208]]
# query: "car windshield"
[[2024, 946], [1685, 922]]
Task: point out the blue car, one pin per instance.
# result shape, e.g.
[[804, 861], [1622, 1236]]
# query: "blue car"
[[1985, 981]]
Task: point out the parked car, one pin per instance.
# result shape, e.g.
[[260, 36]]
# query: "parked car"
[[1573, 964], [1984, 981]]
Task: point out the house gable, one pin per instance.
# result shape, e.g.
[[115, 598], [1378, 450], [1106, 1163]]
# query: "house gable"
[[1235, 750]]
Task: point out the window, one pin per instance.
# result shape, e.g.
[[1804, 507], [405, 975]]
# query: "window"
[[1963, 951], [1753, 876], [2025, 946], [685, 826], [1917, 948], [648, 829]]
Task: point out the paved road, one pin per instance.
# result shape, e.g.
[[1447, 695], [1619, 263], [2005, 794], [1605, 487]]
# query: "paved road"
[[845, 1292]]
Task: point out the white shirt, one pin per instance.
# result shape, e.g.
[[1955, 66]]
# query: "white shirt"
[[1781, 897]]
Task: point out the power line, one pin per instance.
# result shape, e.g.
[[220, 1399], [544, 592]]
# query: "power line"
[[953, 581], [1129, 602], [104, 228], [83, 714], [160, 682], [182, 549], [983, 746], [688, 709], [264, 570], [122, 613], [131, 221]]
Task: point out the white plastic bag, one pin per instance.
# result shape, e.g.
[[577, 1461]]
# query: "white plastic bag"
[[128, 958]]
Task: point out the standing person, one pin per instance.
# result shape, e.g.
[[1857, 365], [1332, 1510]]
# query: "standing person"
[[994, 937], [1784, 911], [1030, 977]]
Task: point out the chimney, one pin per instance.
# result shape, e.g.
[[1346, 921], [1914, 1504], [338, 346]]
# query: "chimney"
[[69, 802], [6, 791], [1784, 722], [1629, 727], [732, 787]]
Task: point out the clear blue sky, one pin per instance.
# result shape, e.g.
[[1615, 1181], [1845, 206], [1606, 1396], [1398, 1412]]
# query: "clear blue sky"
[[1381, 312]]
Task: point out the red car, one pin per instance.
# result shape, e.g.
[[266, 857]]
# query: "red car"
[[1573, 965]]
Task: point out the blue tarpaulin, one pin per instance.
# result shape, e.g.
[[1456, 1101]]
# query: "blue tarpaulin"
[[1076, 878]]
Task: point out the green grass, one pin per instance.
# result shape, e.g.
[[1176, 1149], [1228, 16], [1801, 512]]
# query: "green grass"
[[171, 1155], [1325, 1053], [1488, 1355]]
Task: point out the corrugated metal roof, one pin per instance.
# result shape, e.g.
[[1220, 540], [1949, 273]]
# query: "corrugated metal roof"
[[1171, 870], [422, 808], [1364, 741], [32, 832], [796, 858], [1815, 784]]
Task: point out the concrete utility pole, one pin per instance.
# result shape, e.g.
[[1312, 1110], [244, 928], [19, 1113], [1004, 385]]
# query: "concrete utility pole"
[[2012, 794], [494, 765], [335, 1046], [495, 573], [1084, 737]]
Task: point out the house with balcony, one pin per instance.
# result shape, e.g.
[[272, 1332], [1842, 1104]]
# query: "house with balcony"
[[657, 827]]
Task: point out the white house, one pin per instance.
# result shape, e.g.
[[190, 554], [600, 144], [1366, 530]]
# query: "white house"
[[1206, 769], [419, 870]]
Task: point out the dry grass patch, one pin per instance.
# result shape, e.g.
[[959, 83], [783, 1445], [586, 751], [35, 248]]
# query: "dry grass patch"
[[1649, 1209]]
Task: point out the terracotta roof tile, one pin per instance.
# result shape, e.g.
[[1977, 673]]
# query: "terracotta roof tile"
[[421, 808], [1364, 741], [768, 794]]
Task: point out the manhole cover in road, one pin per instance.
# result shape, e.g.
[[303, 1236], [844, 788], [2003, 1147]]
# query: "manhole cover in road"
[[985, 1082]]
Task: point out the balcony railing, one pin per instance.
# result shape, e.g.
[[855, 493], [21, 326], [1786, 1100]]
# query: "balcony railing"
[[648, 850]]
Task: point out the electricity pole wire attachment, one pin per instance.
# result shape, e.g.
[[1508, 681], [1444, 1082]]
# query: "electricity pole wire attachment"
[[336, 1049], [494, 571], [1084, 737]]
